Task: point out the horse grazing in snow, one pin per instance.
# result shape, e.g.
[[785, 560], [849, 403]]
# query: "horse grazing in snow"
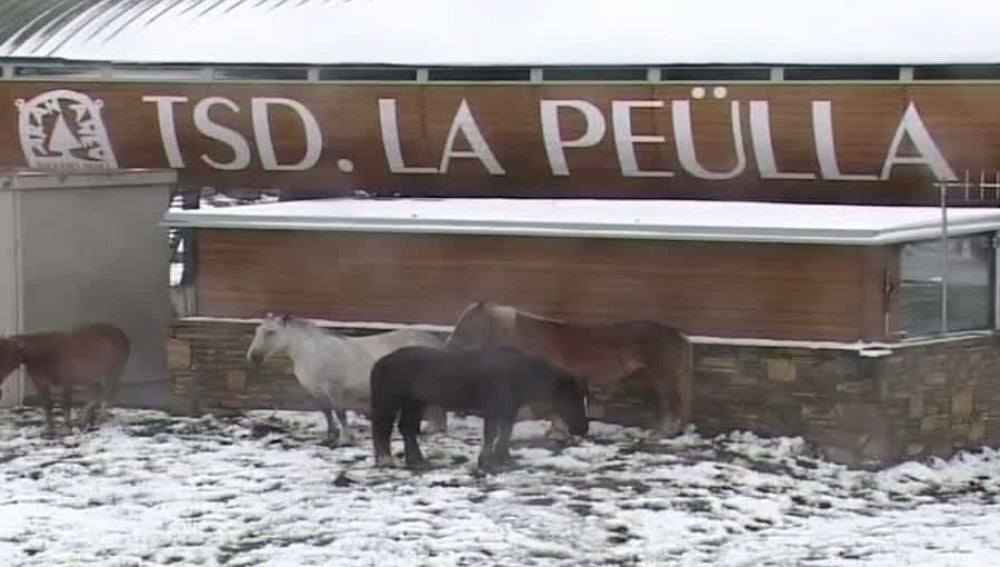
[[494, 383], [333, 368], [597, 353], [91, 358]]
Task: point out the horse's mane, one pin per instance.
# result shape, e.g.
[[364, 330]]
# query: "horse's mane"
[[309, 326], [498, 311]]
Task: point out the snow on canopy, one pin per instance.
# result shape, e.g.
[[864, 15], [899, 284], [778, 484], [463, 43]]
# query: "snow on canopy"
[[673, 219], [511, 32]]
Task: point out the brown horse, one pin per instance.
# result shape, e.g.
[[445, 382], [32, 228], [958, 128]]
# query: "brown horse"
[[597, 353], [89, 358]]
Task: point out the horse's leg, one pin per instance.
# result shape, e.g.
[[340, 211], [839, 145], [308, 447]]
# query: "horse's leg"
[[45, 395], [345, 432], [332, 435], [382, 419], [108, 392], [437, 419], [67, 405], [557, 430], [672, 377], [490, 427], [501, 450], [88, 414], [409, 428]]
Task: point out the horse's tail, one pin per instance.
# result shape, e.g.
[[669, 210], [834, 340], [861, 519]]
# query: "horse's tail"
[[121, 348], [382, 404], [686, 386]]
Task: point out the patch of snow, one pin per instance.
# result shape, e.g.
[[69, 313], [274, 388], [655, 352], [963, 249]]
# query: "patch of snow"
[[872, 349], [668, 219], [152, 489], [333, 324]]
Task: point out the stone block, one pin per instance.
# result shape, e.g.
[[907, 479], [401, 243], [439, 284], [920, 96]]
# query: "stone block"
[[780, 370], [812, 412], [977, 431], [935, 378], [741, 379], [917, 405], [236, 380], [856, 387], [961, 403], [855, 417], [934, 423], [721, 364], [178, 354]]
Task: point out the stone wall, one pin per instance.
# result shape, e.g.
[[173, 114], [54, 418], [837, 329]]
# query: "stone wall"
[[209, 373], [917, 400], [921, 399]]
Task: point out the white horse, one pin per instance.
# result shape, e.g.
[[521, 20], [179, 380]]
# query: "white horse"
[[333, 368]]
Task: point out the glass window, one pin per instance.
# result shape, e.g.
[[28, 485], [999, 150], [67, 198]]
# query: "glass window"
[[594, 74], [715, 73], [367, 74], [956, 72], [970, 284], [842, 73], [65, 71], [479, 74], [261, 73], [155, 72]]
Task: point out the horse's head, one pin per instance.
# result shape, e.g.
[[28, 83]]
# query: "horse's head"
[[480, 326], [570, 403], [269, 338], [10, 356]]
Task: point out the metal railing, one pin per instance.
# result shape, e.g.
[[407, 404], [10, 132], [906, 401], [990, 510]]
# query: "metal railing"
[[974, 191]]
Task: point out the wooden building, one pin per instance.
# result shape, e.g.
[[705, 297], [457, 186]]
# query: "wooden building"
[[724, 269], [825, 321]]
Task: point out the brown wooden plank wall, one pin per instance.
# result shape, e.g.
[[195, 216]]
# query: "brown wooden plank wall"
[[734, 290], [962, 119]]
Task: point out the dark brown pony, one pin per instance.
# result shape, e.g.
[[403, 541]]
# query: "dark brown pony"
[[89, 358], [494, 383], [597, 353]]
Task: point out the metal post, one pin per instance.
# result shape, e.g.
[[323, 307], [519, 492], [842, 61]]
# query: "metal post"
[[996, 280], [944, 257]]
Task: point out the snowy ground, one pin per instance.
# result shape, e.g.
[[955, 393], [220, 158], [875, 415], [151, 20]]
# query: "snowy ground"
[[150, 489]]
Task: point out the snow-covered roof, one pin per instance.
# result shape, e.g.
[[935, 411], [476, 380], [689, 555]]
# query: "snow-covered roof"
[[721, 221], [509, 32]]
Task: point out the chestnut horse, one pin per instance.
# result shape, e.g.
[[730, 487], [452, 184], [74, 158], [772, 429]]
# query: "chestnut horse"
[[91, 357], [597, 353], [493, 383]]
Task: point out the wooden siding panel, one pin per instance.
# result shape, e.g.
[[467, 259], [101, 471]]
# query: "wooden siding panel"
[[737, 290], [961, 119]]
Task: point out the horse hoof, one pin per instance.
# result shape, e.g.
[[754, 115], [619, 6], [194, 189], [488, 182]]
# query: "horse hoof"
[[420, 465], [383, 461], [486, 464], [557, 435], [668, 430]]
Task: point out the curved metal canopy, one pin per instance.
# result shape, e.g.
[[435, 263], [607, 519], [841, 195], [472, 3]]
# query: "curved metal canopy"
[[504, 32], [44, 27]]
